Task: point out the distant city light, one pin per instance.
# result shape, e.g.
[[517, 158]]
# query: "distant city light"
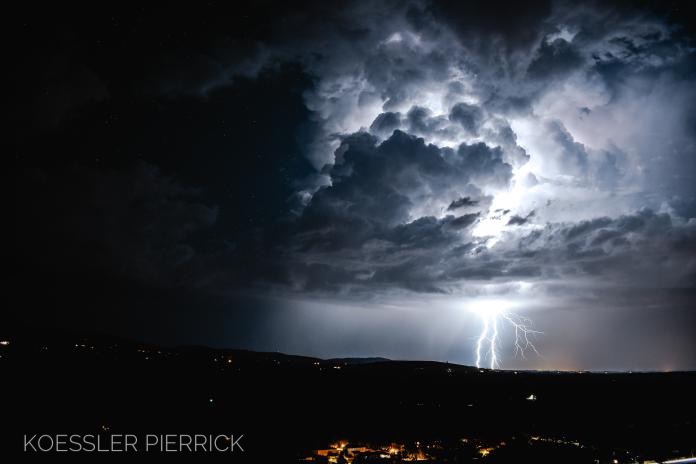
[[4, 342]]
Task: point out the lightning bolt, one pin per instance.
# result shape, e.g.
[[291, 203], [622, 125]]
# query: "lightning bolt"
[[481, 339], [524, 336]]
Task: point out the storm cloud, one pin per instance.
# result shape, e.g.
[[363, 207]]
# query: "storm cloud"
[[377, 153]]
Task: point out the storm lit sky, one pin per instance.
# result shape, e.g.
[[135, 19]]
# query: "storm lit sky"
[[364, 179]]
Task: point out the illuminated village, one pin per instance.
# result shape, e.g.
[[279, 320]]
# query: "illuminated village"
[[471, 450]]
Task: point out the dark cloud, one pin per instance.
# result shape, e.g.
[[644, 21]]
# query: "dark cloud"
[[422, 122], [465, 220], [418, 119], [624, 249], [375, 186], [366, 211], [516, 220], [485, 164], [468, 116], [515, 26], [386, 123], [461, 203], [429, 232], [584, 227], [554, 58]]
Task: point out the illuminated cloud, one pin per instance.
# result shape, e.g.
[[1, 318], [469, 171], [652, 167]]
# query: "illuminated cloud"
[[430, 154]]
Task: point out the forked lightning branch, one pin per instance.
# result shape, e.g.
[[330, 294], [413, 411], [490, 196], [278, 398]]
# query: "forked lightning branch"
[[492, 315]]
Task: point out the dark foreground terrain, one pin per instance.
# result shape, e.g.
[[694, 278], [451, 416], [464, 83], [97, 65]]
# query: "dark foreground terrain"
[[300, 409]]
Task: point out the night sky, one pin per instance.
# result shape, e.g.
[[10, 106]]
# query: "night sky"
[[370, 178]]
